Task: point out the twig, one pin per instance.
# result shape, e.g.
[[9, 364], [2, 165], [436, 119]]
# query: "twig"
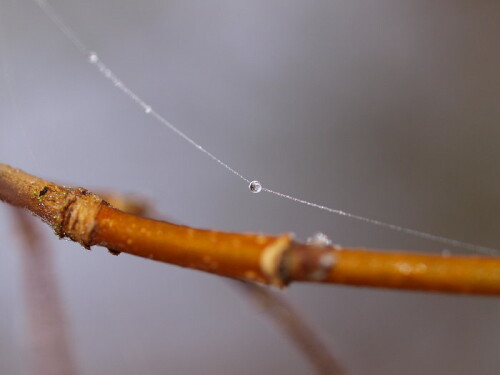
[[278, 260], [49, 344], [294, 326], [275, 306]]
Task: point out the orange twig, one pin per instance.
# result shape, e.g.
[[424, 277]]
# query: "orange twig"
[[401, 270], [278, 260], [275, 306]]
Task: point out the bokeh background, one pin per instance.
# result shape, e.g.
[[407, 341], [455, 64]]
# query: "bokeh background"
[[384, 108]]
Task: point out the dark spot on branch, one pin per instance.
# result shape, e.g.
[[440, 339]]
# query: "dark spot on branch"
[[43, 191], [114, 252]]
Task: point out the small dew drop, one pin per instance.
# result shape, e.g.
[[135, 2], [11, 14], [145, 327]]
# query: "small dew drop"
[[147, 109], [255, 187], [319, 239], [93, 58]]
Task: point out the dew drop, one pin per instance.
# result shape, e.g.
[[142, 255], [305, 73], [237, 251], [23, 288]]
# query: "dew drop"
[[319, 239], [93, 58], [255, 187], [147, 109]]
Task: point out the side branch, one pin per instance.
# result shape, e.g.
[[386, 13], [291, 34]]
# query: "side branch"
[[278, 260]]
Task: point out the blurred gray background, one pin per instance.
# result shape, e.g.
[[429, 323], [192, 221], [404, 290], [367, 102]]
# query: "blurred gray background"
[[387, 109]]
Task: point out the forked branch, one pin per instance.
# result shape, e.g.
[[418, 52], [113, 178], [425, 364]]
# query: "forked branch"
[[278, 260]]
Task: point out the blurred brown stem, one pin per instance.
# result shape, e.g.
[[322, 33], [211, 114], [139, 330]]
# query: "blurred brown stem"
[[46, 332], [295, 327]]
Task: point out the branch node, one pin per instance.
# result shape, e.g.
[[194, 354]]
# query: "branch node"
[[271, 260], [310, 262], [79, 216]]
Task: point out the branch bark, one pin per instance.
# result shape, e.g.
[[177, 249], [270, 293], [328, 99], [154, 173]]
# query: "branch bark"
[[278, 260]]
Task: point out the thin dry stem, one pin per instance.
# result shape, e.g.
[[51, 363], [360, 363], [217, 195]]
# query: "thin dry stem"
[[295, 327], [48, 339], [277, 260]]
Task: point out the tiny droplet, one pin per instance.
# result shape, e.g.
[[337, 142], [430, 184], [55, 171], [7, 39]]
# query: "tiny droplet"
[[147, 109], [255, 187], [93, 58], [319, 239]]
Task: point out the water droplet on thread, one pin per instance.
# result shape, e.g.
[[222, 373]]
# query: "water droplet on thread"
[[319, 239], [147, 109], [93, 58], [255, 187]]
